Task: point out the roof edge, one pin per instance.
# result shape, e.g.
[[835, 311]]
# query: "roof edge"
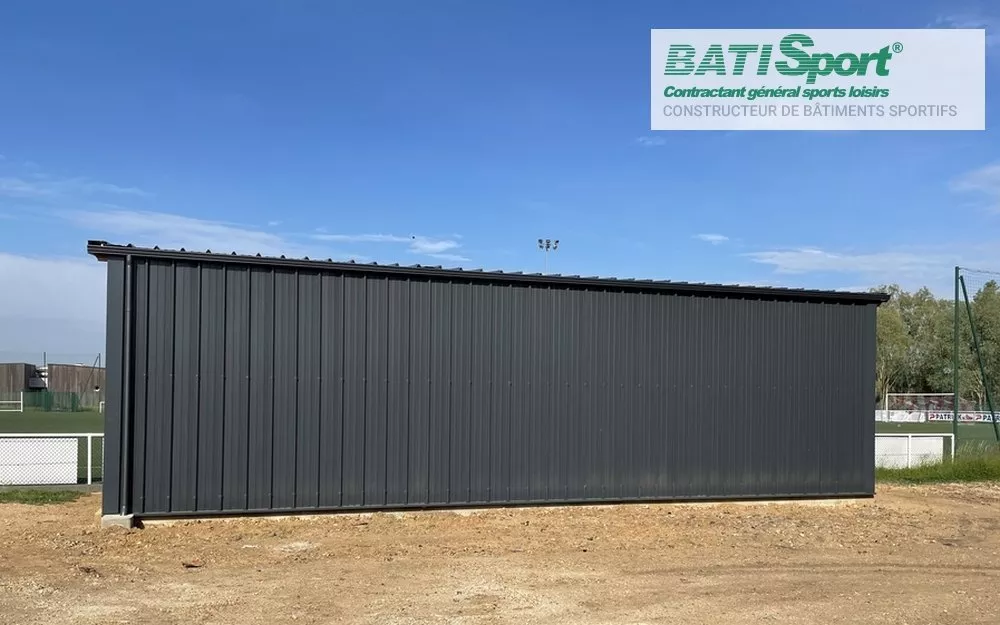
[[102, 251]]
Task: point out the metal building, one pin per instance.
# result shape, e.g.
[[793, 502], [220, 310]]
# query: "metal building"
[[240, 384]]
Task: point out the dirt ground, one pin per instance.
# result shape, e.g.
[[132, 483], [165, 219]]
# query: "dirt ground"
[[912, 555]]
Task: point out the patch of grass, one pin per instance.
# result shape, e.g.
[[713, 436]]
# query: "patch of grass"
[[51, 422], [976, 463], [38, 497]]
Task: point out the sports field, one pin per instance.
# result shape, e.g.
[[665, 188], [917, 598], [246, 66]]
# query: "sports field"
[[83, 422], [983, 431]]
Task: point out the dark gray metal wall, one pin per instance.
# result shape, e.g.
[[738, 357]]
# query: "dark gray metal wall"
[[259, 388]]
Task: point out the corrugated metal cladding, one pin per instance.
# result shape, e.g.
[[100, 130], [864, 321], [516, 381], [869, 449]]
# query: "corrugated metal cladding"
[[241, 384]]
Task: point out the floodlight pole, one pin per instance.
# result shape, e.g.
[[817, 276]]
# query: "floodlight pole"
[[545, 245]]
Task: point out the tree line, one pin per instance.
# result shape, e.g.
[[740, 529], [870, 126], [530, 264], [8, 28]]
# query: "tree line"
[[915, 344]]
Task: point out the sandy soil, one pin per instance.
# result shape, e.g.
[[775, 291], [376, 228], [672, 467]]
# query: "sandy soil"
[[912, 555]]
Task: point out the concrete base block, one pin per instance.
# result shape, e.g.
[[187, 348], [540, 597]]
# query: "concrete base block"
[[117, 520]]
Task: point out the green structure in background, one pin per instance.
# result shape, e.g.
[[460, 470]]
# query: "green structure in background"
[[976, 356], [52, 401]]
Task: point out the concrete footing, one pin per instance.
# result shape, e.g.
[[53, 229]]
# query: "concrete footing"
[[117, 520]]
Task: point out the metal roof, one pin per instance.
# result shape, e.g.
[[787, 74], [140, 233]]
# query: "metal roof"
[[102, 250]]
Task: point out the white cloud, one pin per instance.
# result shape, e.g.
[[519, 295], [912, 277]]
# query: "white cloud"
[[652, 141], [41, 186], [423, 245], [443, 249], [807, 260], [175, 231], [714, 239], [457, 258], [19, 188], [984, 182], [166, 230], [362, 238], [89, 186], [51, 304], [921, 265]]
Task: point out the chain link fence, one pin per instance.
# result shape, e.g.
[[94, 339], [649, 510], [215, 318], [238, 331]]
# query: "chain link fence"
[[30, 459]]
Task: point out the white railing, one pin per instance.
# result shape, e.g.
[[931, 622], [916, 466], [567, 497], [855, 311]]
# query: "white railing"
[[46, 458], [898, 451], [13, 405]]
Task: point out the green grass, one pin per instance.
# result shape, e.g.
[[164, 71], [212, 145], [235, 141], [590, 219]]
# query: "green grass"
[[976, 447], [41, 422], [51, 422], [970, 466], [971, 431], [38, 497]]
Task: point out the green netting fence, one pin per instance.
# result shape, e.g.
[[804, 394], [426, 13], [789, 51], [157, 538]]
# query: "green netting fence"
[[976, 359], [56, 401]]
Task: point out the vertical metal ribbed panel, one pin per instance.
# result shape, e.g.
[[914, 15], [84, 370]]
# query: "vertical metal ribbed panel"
[[114, 441], [259, 388]]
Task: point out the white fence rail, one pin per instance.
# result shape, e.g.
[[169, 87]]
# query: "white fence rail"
[[32, 459], [898, 451], [12, 405]]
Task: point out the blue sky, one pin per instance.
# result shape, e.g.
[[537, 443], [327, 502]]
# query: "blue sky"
[[345, 129]]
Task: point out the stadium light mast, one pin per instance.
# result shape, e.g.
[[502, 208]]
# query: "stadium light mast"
[[545, 245]]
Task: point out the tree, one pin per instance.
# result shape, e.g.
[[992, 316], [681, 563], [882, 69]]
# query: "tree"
[[925, 319], [939, 369], [915, 343], [892, 343]]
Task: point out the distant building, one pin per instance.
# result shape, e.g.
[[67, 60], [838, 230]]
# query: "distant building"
[[69, 386], [16, 377], [86, 381]]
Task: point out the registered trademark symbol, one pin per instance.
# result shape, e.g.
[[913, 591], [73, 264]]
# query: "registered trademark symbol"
[[897, 47]]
